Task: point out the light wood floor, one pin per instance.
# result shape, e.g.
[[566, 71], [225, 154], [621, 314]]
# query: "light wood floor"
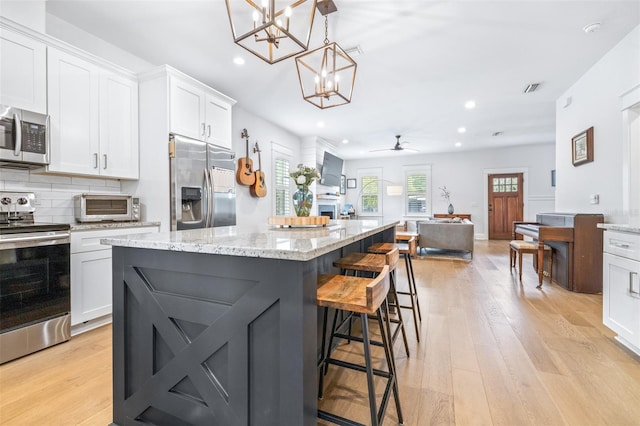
[[492, 351]]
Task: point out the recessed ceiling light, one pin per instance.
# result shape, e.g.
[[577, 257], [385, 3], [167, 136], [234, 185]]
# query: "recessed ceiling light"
[[345, 140], [470, 104], [320, 123], [591, 28], [238, 60], [458, 144], [461, 130]]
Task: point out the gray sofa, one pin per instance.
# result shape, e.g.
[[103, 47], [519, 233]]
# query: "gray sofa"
[[444, 234]]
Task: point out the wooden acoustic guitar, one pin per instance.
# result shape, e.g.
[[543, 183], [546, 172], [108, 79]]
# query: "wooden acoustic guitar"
[[245, 174], [259, 187]]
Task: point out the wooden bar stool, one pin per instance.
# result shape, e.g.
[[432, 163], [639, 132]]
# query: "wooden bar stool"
[[521, 247], [366, 297], [374, 263], [405, 250]]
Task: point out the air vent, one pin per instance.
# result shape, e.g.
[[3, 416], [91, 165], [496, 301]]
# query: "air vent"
[[354, 51], [532, 87]]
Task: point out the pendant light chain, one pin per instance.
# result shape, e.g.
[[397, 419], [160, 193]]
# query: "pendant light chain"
[[326, 30]]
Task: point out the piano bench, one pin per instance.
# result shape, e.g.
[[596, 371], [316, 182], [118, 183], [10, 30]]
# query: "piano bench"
[[521, 247]]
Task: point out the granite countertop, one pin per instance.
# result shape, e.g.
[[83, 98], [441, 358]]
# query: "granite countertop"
[[110, 225], [258, 240], [634, 229]]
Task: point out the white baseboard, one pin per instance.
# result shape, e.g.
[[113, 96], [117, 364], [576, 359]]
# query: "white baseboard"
[[90, 325]]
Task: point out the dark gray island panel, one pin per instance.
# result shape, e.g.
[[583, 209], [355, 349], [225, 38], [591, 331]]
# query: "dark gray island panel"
[[216, 339]]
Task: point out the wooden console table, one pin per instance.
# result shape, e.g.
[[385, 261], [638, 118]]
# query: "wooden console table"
[[411, 237], [451, 216]]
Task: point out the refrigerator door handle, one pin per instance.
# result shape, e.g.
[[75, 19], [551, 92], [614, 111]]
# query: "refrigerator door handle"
[[205, 205], [212, 198]]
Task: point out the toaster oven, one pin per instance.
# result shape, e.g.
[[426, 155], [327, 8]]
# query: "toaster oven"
[[106, 208]]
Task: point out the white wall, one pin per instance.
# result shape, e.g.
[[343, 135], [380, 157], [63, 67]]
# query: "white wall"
[[62, 30], [54, 194], [251, 209], [595, 101], [463, 173], [30, 13]]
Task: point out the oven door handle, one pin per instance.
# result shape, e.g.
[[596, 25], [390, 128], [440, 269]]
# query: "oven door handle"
[[37, 240]]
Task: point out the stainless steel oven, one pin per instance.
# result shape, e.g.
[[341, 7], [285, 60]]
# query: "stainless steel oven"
[[35, 298], [24, 138]]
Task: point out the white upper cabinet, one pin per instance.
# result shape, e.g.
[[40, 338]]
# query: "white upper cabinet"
[[187, 109], [199, 113], [94, 118], [23, 72], [74, 90], [118, 126], [218, 121]]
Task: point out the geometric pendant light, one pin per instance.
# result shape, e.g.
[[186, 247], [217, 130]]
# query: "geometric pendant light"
[[273, 30], [326, 74]]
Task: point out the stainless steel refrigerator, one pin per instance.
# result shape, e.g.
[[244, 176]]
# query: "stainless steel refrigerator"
[[203, 189]]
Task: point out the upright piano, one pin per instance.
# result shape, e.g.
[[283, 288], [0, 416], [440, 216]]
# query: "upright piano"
[[577, 247]]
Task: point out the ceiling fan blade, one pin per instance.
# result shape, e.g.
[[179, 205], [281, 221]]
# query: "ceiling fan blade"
[[397, 147]]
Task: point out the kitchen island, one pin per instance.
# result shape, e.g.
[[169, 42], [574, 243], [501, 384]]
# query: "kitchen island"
[[219, 326]]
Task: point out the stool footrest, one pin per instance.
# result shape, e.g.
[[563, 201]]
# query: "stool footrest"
[[357, 339], [358, 367], [338, 420]]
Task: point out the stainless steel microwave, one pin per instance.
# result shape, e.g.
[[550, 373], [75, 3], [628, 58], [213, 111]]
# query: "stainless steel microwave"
[[24, 138], [106, 208]]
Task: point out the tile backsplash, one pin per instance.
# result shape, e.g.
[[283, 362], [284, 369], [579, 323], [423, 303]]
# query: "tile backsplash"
[[54, 194]]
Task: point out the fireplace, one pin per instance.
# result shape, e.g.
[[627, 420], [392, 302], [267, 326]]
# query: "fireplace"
[[327, 210]]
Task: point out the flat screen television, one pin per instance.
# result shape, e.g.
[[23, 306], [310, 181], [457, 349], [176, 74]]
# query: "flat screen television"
[[331, 170]]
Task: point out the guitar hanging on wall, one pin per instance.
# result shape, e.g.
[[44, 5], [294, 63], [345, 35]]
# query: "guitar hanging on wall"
[[245, 174], [259, 187]]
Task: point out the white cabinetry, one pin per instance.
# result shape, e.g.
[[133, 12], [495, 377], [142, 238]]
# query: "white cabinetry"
[[23, 71], [621, 287], [91, 273], [199, 112], [173, 102], [94, 118]]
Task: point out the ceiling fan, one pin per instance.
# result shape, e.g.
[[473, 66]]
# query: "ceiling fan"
[[397, 147]]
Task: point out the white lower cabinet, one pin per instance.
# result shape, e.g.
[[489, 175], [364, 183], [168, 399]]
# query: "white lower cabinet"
[[91, 281], [621, 287], [91, 285]]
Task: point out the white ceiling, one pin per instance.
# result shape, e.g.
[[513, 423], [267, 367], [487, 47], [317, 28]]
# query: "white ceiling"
[[422, 61]]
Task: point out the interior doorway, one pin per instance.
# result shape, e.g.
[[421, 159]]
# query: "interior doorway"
[[505, 203]]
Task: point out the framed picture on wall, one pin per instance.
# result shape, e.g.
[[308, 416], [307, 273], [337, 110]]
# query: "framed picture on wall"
[[351, 183], [343, 184], [582, 147]]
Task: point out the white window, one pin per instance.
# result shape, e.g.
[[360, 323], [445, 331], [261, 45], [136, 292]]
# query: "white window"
[[281, 181], [370, 198], [417, 185]]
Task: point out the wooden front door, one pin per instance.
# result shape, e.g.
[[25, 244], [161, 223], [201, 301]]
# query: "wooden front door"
[[505, 204]]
